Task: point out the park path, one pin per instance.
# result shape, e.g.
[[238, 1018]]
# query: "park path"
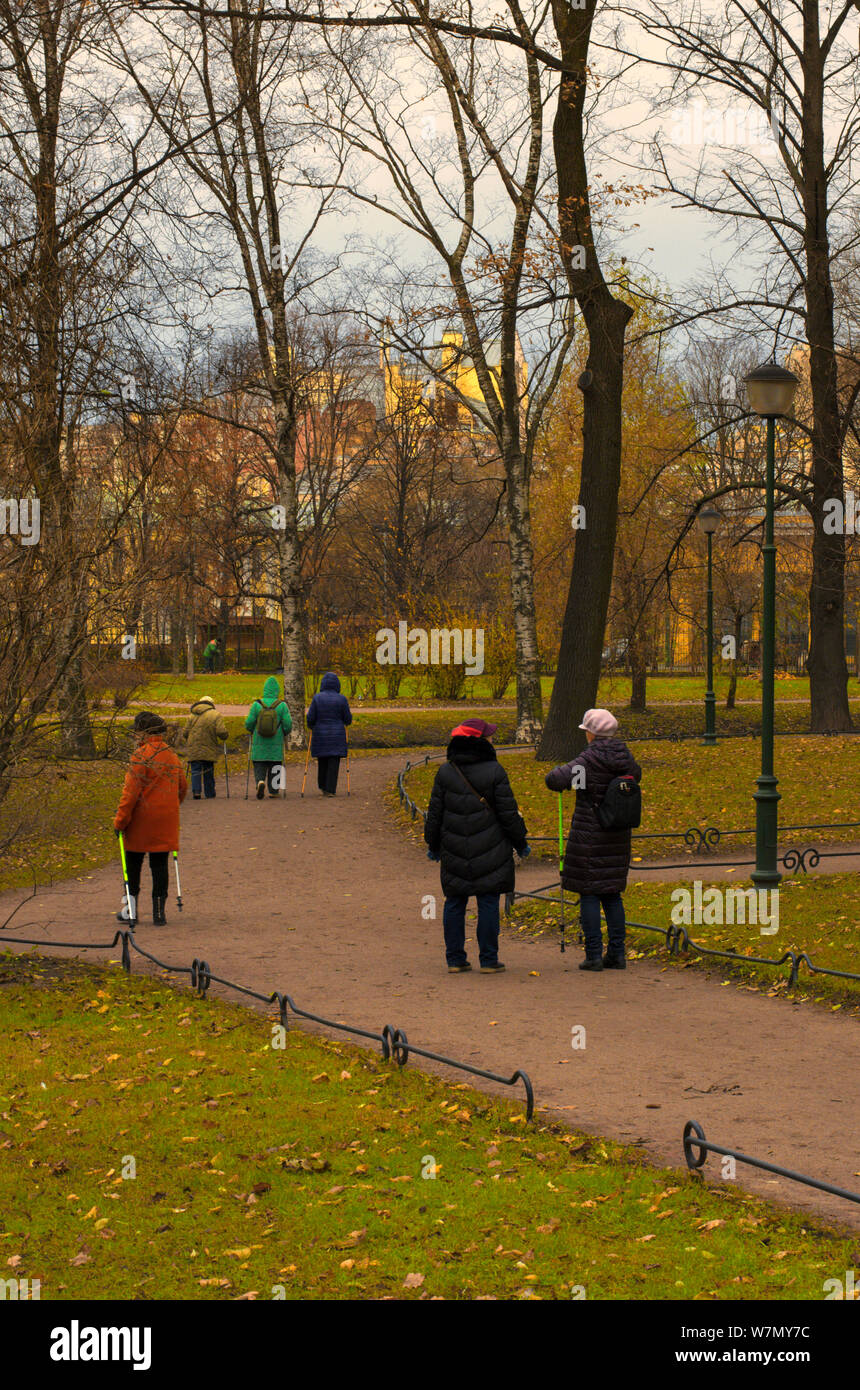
[[323, 899]]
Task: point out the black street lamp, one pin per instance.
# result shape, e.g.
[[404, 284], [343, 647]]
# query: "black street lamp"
[[771, 390], [709, 519]]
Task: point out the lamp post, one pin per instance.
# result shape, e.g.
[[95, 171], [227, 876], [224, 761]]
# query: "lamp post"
[[709, 519], [770, 389]]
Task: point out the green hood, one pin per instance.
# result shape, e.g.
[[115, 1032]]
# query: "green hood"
[[272, 691]]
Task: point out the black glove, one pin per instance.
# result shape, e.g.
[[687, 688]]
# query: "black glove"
[[525, 851]]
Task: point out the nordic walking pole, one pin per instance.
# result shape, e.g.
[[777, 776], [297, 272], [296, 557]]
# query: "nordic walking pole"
[[307, 760], [178, 888], [347, 760], [132, 921], [248, 773], [226, 772], [561, 862]]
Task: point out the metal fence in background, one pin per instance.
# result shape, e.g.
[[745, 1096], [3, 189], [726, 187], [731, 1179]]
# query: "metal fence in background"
[[702, 842]]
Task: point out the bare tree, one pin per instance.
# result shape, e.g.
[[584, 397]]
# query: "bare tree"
[[63, 260], [410, 530], [248, 195], [788, 60], [606, 316], [458, 131]]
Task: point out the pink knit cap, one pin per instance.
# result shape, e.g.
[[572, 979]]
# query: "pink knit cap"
[[599, 722]]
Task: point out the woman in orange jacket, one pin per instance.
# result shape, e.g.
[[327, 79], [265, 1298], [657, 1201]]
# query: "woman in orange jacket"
[[148, 811]]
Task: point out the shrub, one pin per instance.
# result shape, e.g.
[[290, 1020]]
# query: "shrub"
[[116, 680]]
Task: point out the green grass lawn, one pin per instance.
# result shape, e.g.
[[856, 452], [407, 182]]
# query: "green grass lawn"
[[243, 687], [155, 1146], [65, 814], [817, 915], [685, 784]]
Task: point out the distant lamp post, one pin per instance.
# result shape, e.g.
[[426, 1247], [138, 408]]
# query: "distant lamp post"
[[709, 519], [771, 390]]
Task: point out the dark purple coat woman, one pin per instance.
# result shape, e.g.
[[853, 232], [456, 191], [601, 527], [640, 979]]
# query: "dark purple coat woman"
[[595, 860]]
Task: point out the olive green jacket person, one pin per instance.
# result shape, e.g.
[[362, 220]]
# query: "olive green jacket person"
[[205, 732], [269, 750]]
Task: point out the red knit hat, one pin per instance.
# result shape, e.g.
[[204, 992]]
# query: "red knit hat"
[[475, 728]]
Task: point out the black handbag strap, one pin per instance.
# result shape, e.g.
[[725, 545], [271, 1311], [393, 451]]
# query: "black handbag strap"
[[483, 800]]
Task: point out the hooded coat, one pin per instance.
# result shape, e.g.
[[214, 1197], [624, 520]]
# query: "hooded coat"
[[475, 843], [269, 750], [205, 732], [327, 719], [595, 860], [148, 811]]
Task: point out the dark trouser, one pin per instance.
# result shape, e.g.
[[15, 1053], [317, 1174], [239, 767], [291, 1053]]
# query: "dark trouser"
[[202, 773], [209, 661], [589, 917], [327, 771], [265, 772], [158, 865], [454, 925]]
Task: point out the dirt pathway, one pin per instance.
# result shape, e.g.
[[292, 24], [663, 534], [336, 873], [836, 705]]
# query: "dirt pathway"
[[323, 899]]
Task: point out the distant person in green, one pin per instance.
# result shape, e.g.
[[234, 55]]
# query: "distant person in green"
[[211, 652], [268, 721]]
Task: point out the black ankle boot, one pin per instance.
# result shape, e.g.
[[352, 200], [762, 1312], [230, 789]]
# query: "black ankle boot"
[[158, 906]]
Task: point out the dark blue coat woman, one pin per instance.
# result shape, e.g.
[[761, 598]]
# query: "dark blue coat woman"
[[327, 719]]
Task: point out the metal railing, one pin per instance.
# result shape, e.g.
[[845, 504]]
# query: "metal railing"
[[701, 839], [394, 1042], [678, 939], [694, 1138], [794, 861], [395, 1046]]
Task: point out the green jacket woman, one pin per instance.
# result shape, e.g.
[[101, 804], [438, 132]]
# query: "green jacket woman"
[[269, 749]]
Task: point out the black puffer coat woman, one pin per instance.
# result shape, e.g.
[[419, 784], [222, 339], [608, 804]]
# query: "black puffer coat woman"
[[474, 832], [597, 861]]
